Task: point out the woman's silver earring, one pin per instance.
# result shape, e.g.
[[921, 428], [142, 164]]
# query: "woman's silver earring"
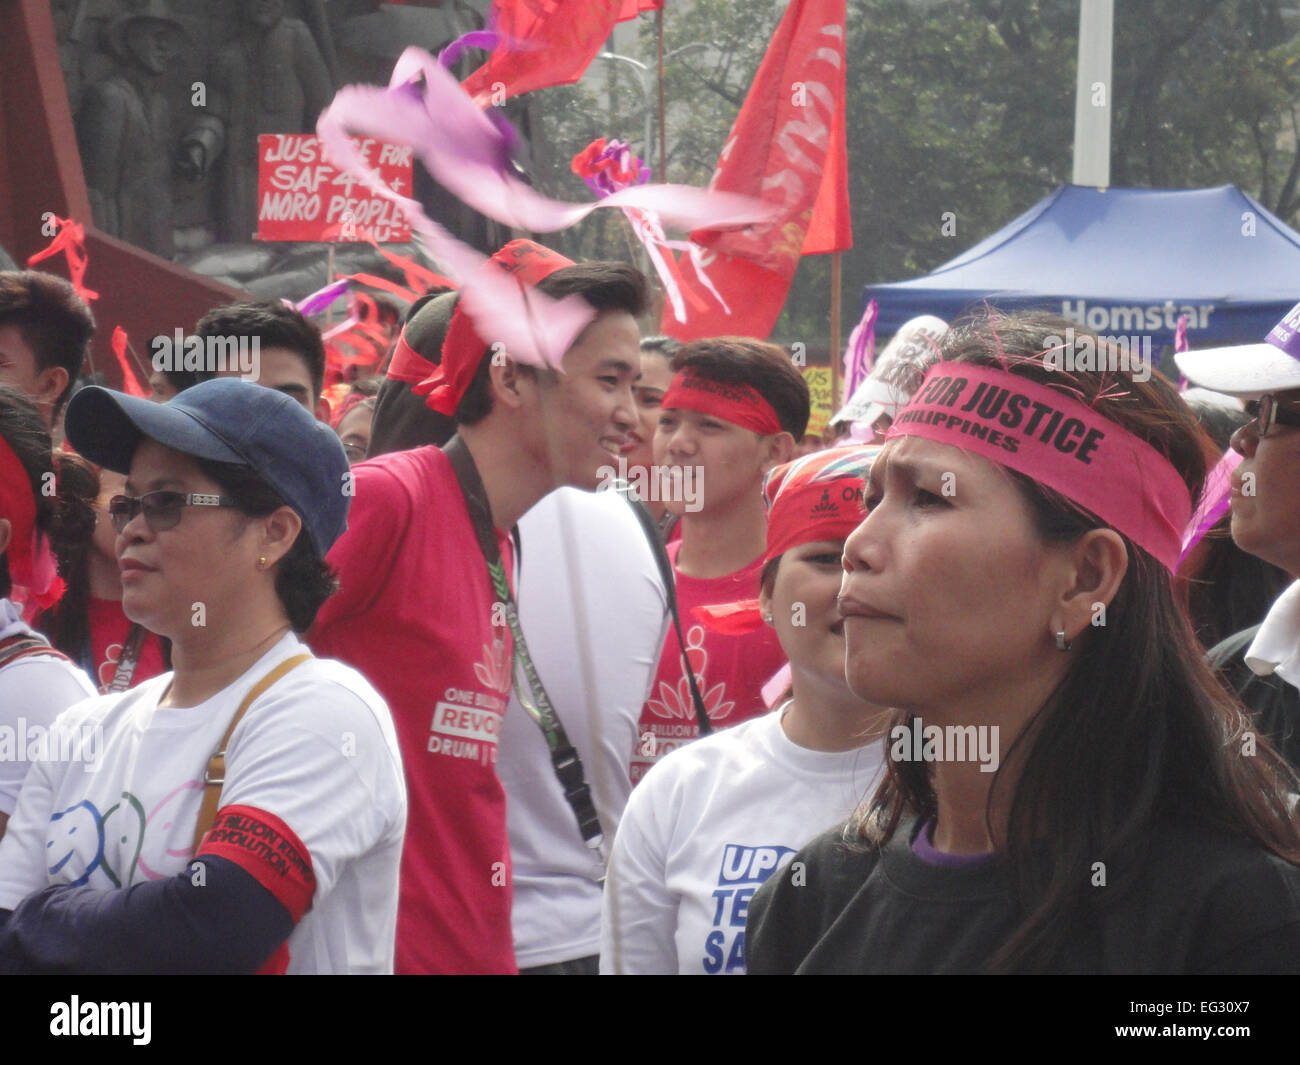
[[767, 618], [1062, 644]]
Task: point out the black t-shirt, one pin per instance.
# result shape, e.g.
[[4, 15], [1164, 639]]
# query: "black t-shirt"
[[1204, 901]]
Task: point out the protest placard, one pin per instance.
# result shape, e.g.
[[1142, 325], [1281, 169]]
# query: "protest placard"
[[301, 195]]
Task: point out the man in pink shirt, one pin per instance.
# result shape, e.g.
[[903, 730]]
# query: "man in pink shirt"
[[417, 609], [735, 409]]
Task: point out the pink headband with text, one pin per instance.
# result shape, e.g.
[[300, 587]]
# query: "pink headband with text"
[[1058, 442]]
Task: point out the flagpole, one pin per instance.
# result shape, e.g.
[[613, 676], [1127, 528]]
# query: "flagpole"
[[835, 331], [662, 175]]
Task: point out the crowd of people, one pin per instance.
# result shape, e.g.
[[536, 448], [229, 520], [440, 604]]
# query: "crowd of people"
[[473, 666]]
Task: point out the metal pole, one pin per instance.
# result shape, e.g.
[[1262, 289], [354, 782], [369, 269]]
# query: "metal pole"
[[661, 174], [835, 331], [1093, 93]]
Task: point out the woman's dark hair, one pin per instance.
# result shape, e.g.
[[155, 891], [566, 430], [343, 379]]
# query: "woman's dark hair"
[[304, 580], [72, 532], [764, 367], [607, 286], [1138, 731]]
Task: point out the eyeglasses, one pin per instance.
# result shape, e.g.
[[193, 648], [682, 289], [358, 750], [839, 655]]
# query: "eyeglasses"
[[162, 510], [1268, 412]]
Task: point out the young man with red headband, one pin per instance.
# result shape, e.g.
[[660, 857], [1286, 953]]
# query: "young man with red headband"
[[426, 616], [735, 409]]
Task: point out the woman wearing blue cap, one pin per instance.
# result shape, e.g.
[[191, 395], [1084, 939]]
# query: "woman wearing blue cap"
[[244, 812]]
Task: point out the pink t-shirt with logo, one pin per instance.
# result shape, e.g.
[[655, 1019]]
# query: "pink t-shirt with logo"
[[730, 670], [414, 614]]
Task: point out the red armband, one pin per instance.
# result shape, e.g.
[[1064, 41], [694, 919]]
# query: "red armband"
[[268, 850]]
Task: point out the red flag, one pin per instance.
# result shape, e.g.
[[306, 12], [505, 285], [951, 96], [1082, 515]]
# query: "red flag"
[[784, 148], [130, 383], [544, 43], [831, 227], [632, 8]]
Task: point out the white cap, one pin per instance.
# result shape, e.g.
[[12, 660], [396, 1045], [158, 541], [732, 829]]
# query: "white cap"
[[1249, 370], [897, 372]]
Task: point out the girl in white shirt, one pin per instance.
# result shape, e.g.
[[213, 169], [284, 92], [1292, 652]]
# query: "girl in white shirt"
[[713, 820]]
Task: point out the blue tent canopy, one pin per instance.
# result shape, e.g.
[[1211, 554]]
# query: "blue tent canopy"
[[1123, 262]]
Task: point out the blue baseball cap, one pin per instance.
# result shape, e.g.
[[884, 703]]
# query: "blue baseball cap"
[[226, 420]]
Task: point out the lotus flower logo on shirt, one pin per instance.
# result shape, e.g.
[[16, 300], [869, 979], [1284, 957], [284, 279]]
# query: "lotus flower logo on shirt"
[[674, 701], [494, 670]]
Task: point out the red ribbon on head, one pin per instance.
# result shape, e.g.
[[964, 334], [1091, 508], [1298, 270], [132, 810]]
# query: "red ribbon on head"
[[464, 348], [407, 364], [31, 563], [816, 497], [739, 404]]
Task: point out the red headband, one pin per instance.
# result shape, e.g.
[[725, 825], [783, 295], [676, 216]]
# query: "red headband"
[[407, 364], [31, 564], [463, 349], [739, 404], [1060, 443], [817, 497]]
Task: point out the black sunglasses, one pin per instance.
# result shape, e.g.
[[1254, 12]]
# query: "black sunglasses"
[[1268, 412], [162, 510]]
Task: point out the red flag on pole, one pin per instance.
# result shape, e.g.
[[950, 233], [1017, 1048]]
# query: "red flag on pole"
[[632, 8], [544, 43], [831, 227], [786, 147]]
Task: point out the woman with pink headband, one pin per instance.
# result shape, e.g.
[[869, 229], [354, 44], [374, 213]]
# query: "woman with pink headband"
[[714, 819], [1069, 789]]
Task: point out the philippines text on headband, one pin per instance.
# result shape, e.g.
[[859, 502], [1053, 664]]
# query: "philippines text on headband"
[[1058, 442], [737, 403]]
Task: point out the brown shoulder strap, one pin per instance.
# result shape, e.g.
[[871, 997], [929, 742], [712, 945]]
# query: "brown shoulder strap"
[[215, 775]]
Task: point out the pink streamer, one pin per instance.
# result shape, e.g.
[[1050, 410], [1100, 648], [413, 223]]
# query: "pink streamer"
[[468, 154], [860, 353], [1180, 344], [1216, 498]]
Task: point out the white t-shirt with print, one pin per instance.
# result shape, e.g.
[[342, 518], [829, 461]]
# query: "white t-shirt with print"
[[701, 833], [34, 690], [316, 750], [593, 610]]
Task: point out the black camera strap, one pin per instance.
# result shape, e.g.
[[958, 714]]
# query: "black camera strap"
[[531, 694], [660, 552]]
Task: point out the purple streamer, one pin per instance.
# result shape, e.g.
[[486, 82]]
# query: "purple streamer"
[[485, 39], [321, 298], [861, 350]]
